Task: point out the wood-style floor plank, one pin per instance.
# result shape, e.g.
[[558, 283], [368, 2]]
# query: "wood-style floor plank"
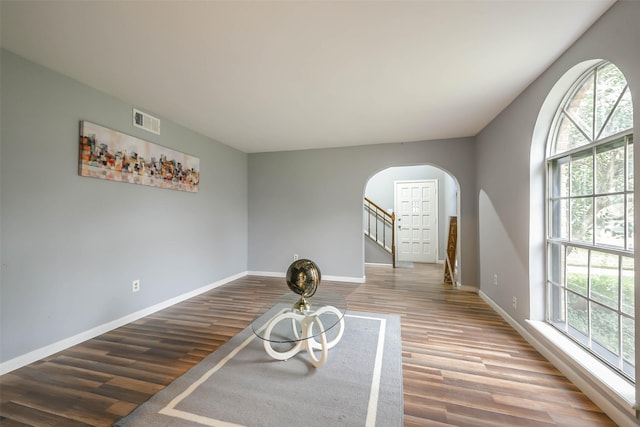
[[462, 364]]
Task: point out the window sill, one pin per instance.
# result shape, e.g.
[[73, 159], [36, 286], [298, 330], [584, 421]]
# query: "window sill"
[[607, 381]]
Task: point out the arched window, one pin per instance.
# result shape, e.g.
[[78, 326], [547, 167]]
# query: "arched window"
[[590, 274]]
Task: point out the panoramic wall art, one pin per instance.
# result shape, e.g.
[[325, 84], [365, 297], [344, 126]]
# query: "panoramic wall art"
[[112, 155]]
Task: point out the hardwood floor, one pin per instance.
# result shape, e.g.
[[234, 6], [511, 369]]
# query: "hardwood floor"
[[462, 364]]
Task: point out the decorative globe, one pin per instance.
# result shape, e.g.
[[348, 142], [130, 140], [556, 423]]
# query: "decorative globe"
[[303, 277]]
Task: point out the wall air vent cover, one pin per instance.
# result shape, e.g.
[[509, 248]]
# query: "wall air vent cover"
[[146, 121]]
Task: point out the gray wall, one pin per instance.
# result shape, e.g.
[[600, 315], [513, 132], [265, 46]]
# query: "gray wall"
[[310, 203], [381, 190], [507, 184], [71, 246], [511, 190]]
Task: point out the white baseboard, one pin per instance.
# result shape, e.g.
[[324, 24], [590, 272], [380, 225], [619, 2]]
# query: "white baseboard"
[[466, 288], [618, 409], [348, 279], [46, 351], [265, 274]]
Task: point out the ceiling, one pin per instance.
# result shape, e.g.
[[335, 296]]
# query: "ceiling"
[[271, 76]]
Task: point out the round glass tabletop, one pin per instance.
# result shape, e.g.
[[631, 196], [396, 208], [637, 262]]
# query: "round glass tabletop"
[[327, 307]]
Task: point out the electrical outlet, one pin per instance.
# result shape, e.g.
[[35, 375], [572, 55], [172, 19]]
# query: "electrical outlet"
[[136, 285], [515, 303], [495, 280], [295, 257]]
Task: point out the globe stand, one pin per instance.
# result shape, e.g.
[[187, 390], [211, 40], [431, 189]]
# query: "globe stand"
[[302, 305], [312, 335]]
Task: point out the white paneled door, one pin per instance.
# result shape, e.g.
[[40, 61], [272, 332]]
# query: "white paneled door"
[[416, 204]]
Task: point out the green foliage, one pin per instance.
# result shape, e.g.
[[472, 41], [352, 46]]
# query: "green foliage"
[[604, 322]]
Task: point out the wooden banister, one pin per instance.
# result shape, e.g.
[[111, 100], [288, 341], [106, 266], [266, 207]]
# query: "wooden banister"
[[384, 218]]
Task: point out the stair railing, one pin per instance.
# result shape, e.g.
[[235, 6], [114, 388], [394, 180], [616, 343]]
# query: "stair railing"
[[378, 230]]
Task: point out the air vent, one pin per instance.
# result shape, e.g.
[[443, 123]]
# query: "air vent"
[[146, 121]]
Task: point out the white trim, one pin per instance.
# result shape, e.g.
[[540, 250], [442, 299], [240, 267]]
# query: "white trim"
[[378, 264], [266, 273], [41, 353], [372, 408], [574, 363], [349, 279], [466, 288]]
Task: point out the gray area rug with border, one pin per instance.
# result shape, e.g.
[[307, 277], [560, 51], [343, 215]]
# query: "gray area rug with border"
[[240, 385]]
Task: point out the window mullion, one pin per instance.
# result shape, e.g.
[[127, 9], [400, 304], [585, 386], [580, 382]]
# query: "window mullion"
[[588, 297], [625, 204], [577, 125], [620, 331], [582, 148], [595, 103], [565, 293], [569, 206], [593, 197], [613, 110]]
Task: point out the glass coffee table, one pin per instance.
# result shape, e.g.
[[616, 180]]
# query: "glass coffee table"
[[287, 327]]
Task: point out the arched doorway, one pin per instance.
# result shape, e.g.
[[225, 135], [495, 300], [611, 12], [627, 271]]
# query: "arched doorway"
[[381, 189]]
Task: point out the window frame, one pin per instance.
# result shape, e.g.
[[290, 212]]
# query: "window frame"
[[557, 245]]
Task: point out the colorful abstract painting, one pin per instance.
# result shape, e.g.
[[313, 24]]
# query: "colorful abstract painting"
[[112, 155]]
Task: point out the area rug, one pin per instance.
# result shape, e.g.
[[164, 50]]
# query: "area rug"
[[240, 385]]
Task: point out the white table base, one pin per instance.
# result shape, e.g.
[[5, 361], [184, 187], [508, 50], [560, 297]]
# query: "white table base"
[[307, 340]]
